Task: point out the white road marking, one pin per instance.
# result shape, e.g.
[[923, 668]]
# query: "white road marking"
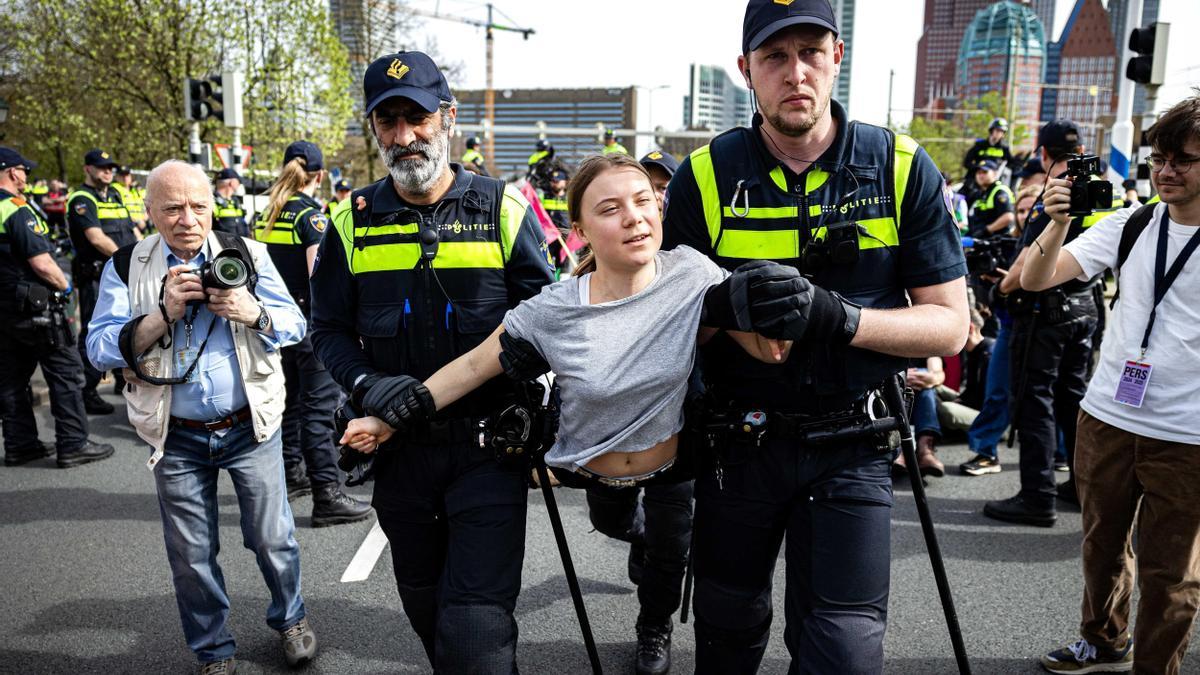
[[366, 557]]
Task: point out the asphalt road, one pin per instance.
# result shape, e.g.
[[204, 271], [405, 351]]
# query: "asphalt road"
[[86, 587]]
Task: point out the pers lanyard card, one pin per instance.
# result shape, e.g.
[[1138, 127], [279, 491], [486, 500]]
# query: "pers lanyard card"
[[1131, 387], [183, 360]]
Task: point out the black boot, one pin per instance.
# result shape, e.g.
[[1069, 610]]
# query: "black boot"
[[88, 452], [1019, 510], [298, 484], [25, 456], [94, 405], [653, 647], [331, 506]]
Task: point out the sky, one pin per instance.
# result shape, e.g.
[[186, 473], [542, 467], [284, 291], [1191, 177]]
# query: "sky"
[[650, 44]]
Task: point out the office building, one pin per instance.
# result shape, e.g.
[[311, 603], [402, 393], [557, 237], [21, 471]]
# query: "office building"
[[1081, 70], [714, 101], [1004, 50]]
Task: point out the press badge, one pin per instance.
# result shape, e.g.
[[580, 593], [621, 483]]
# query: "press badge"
[[1131, 386], [184, 358]]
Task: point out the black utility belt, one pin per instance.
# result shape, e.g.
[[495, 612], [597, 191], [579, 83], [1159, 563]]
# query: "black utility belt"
[[868, 415]]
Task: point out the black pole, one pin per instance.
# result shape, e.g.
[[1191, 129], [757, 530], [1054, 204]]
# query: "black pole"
[[564, 552], [908, 445]]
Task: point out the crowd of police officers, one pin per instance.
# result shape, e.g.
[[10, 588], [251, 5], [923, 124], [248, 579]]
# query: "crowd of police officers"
[[390, 320]]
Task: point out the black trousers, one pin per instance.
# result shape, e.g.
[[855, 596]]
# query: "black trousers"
[[456, 522], [662, 522], [1050, 363], [88, 292], [834, 505], [20, 354], [311, 398]]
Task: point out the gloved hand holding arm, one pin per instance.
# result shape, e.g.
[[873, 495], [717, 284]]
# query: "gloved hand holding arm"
[[777, 302]]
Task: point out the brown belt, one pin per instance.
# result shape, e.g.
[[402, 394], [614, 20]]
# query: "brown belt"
[[216, 425]]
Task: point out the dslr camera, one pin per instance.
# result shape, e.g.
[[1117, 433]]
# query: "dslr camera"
[[1087, 195], [985, 256], [227, 269]]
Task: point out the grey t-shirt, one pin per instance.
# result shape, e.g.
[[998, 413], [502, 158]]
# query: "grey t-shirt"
[[622, 366]]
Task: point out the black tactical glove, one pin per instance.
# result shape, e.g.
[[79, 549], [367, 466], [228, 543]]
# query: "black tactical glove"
[[520, 359], [402, 402], [776, 301]]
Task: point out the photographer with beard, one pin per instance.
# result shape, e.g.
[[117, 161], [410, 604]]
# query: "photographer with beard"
[[418, 271]]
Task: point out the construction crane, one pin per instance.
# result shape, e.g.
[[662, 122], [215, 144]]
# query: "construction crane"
[[489, 95]]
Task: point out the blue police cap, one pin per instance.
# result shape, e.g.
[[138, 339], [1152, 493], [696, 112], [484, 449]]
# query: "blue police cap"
[[98, 158], [411, 75], [226, 174], [764, 18], [311, 154], [987, 164], [660, 158], [342, 184], [10, 158], [1032, 167], [559, 174]]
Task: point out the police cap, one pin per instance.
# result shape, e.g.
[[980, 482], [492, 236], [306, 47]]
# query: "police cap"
[[1061, 134], [1032, 168], [473, 142], [343, 185], [10, 158], [559, 174], [660, 158], [411, 75], [987, 165], [98, 158], [124, 170], [764, 18], [226, 174], [310, 153]]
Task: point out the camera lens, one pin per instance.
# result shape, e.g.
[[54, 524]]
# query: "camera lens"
[[230, 272]]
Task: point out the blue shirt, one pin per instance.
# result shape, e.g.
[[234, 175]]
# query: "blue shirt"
[[217, 390]]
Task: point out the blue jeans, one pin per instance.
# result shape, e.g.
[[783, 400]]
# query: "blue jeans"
[[988, 428], [925, 415], [187, 498]]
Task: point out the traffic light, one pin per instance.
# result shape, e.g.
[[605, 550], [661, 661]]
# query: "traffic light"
[[202, 98], [1150, 45]]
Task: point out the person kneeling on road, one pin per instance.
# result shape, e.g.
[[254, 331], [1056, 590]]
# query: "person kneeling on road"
[[206, 391]]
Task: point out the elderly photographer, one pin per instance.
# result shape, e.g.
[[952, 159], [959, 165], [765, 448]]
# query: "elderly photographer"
[[206, 390]]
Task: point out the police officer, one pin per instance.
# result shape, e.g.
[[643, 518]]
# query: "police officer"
[[611, 145], [992, 213], [860, 212], [472, 159], [228, 213], [554, 201], [341, 197], [99, 224], [993, 147], [34, 330], [418, 276], [1051, 350], [661, 167], [543, 150], [292, 227], [133, 196]]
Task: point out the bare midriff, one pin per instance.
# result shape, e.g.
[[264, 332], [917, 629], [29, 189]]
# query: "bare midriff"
[[626, 464]]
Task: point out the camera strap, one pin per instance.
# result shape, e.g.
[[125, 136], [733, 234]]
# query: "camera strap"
[[1163, 277]]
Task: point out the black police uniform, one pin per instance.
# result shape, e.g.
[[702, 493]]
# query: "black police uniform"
[[734, 201], [229, 216], [455, 517], [87, 208], [312, 395], [1051, 352], [992, 204], [983, 149], [30, 336]]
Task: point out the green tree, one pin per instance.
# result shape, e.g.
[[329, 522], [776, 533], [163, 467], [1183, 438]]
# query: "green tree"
[[947, 140], [109, 73]]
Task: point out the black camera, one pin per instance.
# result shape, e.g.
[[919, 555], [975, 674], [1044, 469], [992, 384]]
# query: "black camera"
[[228, 269], [985, 256], [839, 246], [1087, 195]]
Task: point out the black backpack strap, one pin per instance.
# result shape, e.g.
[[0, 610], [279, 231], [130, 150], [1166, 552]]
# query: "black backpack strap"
[[230, 240], [121, 259], [1137, 223]]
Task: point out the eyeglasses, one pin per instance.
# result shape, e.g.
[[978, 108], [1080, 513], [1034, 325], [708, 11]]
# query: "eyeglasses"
[[1179, 165]]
